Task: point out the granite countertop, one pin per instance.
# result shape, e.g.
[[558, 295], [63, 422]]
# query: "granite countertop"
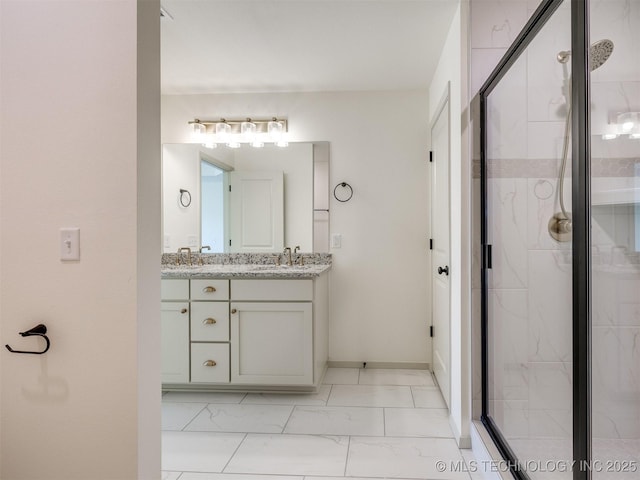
[[244, 271]]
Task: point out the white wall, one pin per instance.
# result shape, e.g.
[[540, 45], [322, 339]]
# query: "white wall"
[[452, 71], [379, 144], [82, 410], [180, 170]]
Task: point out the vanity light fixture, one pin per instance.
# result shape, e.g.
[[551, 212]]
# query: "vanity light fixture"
[[625, 123], [234, 133]]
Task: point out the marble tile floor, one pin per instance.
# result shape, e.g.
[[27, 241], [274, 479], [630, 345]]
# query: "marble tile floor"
[[361, 424]]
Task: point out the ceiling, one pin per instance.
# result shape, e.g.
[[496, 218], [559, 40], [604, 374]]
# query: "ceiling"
[[242, 46]]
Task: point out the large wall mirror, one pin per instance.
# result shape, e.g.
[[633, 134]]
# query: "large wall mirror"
[[245, 200]]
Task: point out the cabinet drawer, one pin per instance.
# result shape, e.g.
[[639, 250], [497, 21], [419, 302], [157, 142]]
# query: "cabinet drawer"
[[203, 289], [210, 363], [174, 289], [272, 290], [210, 321]]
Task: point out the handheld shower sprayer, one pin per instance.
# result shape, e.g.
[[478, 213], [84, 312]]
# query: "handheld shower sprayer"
[[560, 226]]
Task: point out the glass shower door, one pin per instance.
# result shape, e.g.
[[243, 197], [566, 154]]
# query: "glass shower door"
[[615, 209], [529, 282]]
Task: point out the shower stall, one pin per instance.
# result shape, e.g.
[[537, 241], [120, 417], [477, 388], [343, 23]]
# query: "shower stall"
[[560, 186]]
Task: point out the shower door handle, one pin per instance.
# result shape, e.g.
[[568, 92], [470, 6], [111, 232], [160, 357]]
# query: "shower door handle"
[[444, 270]]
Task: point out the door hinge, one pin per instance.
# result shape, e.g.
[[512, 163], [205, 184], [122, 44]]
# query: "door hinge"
[[487, 254], [431, 244], [229, 242], [431, 155], [229, 187], [431, 331]]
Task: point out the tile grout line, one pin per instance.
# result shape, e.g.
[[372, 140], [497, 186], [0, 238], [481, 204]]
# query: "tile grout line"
[[194, 417], [384, 422], [234, 453], [346, 461], [326, 402], [293, 408]]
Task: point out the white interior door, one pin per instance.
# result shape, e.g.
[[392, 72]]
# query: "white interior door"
[[440, 233], [256, 212]]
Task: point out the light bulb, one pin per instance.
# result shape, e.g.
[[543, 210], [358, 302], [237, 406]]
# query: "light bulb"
[[635, 136], [275, 129], [627, 121], [609, 136], [257, 143], [222, 131], [198, 132], [248, 131]]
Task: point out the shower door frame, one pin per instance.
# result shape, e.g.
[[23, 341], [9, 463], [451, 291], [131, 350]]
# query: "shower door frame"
[[581, 238]]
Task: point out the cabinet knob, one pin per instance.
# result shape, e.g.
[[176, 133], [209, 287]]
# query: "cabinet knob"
[[184, 310], [233, 310], [209, 321], [209, 363], [209, 289]]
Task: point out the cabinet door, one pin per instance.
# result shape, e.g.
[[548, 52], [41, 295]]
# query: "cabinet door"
[[175, 342], [272, 343]]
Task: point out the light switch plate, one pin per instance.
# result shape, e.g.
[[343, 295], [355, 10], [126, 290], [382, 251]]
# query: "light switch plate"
[[69, 244], [192, 241], [336, 240]]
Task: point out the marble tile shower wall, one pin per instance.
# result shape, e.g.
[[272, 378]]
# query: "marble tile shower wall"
[[530, 299]]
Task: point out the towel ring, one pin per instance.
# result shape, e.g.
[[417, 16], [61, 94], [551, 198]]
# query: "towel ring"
[[344, 198], [185, 193]]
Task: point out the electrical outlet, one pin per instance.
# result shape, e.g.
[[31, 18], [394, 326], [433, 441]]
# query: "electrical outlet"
[[192, 241], [167, 241], [336, 240]]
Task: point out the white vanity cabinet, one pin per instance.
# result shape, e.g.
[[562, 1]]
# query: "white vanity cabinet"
[[244, 333], [195, 331]]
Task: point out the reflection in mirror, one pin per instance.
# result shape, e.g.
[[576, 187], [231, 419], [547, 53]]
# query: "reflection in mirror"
[[213, 219], [247, 199]]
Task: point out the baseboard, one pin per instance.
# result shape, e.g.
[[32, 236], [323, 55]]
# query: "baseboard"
[[389, 365], [462, 441]]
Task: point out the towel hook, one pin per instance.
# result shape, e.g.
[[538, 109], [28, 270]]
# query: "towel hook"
[[37, 331]]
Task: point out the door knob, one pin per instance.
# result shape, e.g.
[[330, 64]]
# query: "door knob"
[[444, 270]]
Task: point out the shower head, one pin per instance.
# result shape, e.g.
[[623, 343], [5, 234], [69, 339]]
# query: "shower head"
[[599, 53]]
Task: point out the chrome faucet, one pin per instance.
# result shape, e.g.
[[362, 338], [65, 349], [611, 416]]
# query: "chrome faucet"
[[203, 247], [287, 251], [299, 258], [183, 249]]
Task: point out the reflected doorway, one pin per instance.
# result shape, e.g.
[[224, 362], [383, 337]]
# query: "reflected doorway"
[[213, 213]]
